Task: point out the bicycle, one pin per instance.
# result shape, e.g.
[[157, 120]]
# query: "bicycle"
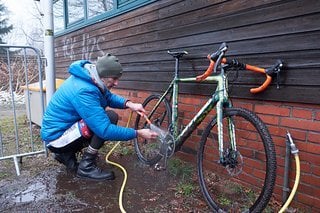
[[235, 143]]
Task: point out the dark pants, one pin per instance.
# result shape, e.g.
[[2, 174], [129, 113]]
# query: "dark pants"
[[95, 142]]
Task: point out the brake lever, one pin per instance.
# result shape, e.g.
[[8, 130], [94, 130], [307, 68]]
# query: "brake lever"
[[276, 69], [222, 49]]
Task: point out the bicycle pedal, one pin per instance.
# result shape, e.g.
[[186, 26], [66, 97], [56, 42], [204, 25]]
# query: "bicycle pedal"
[[158, 167]]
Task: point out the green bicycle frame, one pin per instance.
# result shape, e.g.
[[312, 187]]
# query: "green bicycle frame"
[[219, 99]]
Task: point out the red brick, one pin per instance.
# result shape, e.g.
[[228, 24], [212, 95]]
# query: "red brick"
[[304, 166], [280, 163], [315, 170], [302, 113], [313, 148], [309, 157], [248, 106], [280, 151], [317, 117], [272, 110], [269, 119], [278, 190], [186, 108], [250, 179], [189, 100], [300, 124], [306, 189], [279, 141], [314, 137], [277, 131], [309, 200], [310, 179], [303, 106]]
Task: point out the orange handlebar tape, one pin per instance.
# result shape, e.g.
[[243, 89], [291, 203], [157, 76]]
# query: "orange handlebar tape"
[[209, 69], [263, 86], [247, 67], [255, 69]]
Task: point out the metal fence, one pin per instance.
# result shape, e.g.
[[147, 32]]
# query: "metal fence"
[[22, 103]]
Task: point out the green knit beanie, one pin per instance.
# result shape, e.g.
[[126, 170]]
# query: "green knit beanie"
[[108, 66]]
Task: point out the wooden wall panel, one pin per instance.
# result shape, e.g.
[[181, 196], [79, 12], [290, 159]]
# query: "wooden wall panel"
[[257, 32]]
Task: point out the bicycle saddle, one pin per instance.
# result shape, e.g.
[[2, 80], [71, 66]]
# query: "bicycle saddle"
[[177, 54]]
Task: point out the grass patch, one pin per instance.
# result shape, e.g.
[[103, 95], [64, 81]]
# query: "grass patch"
[[122, 149], [185, 188], [179, 168], [3, 175], [19, 134], [184, 171]]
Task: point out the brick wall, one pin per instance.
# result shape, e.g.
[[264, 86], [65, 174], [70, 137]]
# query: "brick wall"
[[301, 120]]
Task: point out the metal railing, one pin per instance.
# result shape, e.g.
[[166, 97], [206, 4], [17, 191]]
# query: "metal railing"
[[19, 135]]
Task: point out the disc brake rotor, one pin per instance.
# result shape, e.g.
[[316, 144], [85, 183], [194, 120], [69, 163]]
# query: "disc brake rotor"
[[235, 164]]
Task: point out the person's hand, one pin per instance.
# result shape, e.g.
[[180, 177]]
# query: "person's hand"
[[137, 107], [147, 134]]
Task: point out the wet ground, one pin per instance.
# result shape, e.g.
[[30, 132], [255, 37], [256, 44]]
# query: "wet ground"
[[45, 186]]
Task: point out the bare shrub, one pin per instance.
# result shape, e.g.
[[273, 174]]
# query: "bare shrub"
[[18, 72]]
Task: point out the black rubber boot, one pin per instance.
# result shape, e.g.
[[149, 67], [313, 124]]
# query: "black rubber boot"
[[89, 170], [68, 159]]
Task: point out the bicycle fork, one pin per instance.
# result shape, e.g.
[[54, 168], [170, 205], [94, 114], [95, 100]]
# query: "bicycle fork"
[[220, 130], [231, 134]]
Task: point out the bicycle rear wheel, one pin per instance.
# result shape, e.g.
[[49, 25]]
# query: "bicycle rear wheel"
[[245, 181], [148, 151]]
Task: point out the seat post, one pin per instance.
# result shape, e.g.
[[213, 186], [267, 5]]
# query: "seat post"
[[176, 68], [177, 55]]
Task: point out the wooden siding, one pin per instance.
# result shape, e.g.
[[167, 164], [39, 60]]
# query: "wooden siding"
[[257, 32]]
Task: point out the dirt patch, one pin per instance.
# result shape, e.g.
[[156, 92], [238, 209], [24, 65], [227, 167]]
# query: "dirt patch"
[[45, 184]]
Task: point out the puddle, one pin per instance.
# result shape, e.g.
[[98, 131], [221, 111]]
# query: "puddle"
[[34, 192]]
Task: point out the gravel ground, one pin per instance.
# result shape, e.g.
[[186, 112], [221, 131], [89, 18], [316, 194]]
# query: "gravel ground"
[[6, 99]]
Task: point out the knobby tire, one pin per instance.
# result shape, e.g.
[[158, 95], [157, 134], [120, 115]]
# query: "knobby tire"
[[255, 146]]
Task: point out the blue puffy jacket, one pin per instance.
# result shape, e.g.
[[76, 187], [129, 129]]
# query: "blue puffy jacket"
[[80, 98]]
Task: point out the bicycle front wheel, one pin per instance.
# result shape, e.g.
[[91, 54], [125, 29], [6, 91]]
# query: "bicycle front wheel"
[[243, 179], [148, 151]]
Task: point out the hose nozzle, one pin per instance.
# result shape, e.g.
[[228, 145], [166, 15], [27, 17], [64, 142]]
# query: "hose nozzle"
[[293, 147]]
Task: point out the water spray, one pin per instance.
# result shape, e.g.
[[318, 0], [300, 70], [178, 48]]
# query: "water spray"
[[166, 142]]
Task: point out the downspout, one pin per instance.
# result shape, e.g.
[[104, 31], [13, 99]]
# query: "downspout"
[[49, 48], [285, 189]]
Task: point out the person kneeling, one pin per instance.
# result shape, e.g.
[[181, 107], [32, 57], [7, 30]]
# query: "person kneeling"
[[76, 116]]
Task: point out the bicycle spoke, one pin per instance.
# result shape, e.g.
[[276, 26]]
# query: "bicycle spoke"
[[148, 151]]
